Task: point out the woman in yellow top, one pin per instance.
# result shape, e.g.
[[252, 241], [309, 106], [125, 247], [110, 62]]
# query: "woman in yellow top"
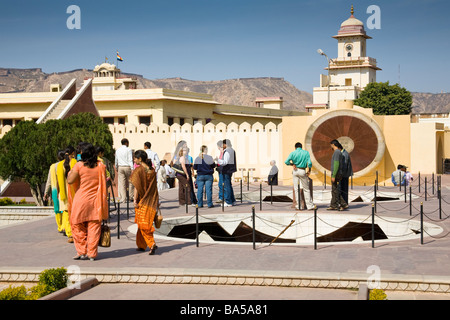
[[52, 190], [66, 193], [145, 201]]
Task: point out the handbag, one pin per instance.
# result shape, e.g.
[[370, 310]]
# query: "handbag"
[[158, 219], [105, 236], [178, 169]]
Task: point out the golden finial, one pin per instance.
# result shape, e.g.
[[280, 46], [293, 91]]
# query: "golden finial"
[[351, 11]]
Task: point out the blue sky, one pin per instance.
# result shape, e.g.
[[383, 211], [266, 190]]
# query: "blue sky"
[[226, 39]]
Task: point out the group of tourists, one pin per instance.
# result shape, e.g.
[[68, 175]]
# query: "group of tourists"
[[341, 171], [204, 165], [78, 182], [125, 165], [401, 176], [77, 185]]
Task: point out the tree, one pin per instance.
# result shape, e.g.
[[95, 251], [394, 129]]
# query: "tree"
[[385, 99], [28, 150]]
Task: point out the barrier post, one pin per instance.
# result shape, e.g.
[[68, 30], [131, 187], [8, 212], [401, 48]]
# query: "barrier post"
[[118, 220], [186, 197], [432, 183], [410, 201], [425, 188], [315, 227], [440, 204], [376, 179], [241, 190], [196, 225], [109, 209], [373, 226], [439, 197], [253, 229], [375, 198], [260, 196], [324, 179], [271, 194], [223, 196], [421, 223], [419, 182], [299, 197], [405, 192], [128, 204], [248, 180]]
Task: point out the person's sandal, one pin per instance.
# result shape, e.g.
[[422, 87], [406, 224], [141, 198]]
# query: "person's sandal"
[[153, 249]]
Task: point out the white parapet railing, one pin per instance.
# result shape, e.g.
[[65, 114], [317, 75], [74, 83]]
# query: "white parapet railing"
[[75, 99], [55, 103]]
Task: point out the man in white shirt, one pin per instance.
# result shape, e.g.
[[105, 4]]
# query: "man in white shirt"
[[124, 167], [152, 155], [408, 175], [228, 166], [170, 174]]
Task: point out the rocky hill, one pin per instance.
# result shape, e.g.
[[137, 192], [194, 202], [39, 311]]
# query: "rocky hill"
[[241, 91], [431, 102], [236, 91]]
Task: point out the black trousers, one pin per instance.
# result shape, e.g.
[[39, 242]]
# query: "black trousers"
[[337, 200], [343, 189]]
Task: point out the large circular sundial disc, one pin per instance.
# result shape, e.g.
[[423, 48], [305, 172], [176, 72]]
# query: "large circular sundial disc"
[[358, 134]]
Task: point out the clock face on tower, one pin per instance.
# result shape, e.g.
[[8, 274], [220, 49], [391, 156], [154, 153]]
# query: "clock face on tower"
[[349, 47]]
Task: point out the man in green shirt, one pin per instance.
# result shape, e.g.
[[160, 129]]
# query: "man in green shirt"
[[337, 202], [301, 162]]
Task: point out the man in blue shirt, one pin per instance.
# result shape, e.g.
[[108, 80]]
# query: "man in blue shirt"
[[398, 176], [301, 162]]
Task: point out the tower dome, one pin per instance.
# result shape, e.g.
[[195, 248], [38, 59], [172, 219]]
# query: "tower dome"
[[352, 21], [352, 26]]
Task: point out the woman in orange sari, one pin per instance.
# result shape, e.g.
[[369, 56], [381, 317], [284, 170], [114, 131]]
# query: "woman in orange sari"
[[145, 201], [89, 207]]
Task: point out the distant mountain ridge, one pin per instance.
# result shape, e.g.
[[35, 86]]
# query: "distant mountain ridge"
[[241, 91]]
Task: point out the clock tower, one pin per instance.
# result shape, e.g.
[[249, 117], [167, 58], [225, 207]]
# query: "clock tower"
[[351, 71]]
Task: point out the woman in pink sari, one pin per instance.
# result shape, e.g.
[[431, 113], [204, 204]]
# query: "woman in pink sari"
[[89, 205]]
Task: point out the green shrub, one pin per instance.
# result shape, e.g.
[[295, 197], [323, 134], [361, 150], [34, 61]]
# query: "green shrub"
[[38, 291], [14, 293], [54, 279], [377, 294], [6, 202], [50, 280]]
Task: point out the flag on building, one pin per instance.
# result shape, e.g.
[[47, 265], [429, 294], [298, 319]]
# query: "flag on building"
[[119, 58]]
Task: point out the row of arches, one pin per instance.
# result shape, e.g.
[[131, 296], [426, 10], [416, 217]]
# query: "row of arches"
[[196, 128]]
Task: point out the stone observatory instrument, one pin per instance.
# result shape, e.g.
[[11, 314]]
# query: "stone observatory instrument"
[[359, 135]]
